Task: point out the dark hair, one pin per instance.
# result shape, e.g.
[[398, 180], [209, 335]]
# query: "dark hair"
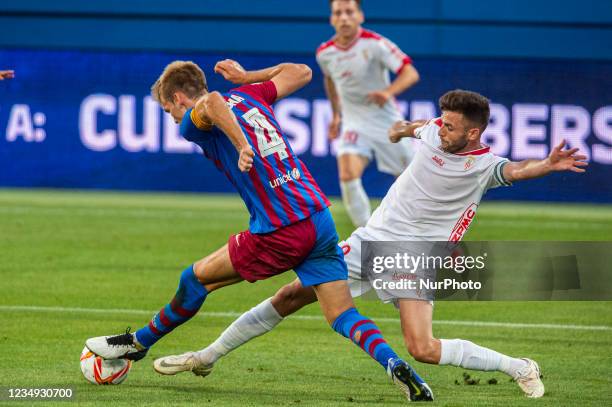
[[473, 106], [356, 1]]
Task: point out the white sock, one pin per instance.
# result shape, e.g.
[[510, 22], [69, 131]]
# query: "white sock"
[[253, 323], [356, 201], [468, 355]]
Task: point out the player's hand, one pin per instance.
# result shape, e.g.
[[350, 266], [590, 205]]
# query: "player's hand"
[[380, 97], [231, 71], [398, 130], [566, 160], [6, 75], [333, 130], [245, 161]]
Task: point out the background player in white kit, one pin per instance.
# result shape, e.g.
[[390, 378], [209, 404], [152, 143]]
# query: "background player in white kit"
[[446, 180], [356, 65]]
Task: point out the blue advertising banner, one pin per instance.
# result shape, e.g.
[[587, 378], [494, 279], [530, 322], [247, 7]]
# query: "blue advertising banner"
[[76, 119]]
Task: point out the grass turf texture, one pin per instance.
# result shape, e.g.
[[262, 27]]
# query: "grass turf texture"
[[126, 251]]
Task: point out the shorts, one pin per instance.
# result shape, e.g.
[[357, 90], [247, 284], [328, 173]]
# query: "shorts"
[[360, 284], [390, 158], [310, 247]]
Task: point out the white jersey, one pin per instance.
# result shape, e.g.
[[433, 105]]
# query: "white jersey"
[[436, 197], [358, 69]]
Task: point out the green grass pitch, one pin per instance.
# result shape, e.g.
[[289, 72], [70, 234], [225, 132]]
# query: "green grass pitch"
[[68, 256]]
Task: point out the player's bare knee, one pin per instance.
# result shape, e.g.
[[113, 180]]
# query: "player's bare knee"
[[422, 350], [198, 270], [201, 269], [347, 170], [348, 175], [282, 299], [291, 298]]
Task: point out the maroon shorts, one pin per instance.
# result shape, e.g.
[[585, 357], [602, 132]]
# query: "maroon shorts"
[[260, 256]]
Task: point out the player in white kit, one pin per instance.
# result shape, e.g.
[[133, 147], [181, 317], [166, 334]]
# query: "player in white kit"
[[435, 199], [356, 64]]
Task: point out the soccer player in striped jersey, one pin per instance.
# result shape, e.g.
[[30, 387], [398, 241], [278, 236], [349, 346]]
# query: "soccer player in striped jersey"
[[434, 200], [290, 225]]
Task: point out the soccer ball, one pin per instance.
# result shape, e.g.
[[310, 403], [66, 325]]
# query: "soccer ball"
[[102, 371]]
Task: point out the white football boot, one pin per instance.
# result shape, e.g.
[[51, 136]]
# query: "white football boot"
[[187, 362], [528, 379], [117, 347]]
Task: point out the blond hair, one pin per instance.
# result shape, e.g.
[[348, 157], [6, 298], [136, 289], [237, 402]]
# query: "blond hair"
[[184, 76]]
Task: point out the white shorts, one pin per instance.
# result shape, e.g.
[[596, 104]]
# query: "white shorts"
[[360, 284], [390, 158]]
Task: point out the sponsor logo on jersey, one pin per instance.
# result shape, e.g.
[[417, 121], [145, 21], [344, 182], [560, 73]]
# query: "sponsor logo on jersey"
[[295, 173], [289, 176], [463, 223], [357, 336], [438, 160], [469, 162]]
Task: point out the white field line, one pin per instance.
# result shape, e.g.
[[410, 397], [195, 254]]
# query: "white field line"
[[232, 314], [157, 213], [501, 219]]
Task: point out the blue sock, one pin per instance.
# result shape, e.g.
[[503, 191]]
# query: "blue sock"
[[364, 333], [188, 299]]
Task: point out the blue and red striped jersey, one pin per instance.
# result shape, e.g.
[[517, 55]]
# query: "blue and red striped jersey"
[[279, 189]]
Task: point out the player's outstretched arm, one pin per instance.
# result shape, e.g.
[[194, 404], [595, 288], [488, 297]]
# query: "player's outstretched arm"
[[558, 160], [407, 78], [404, 128], [287, 77], [7, 75], [211, 108]]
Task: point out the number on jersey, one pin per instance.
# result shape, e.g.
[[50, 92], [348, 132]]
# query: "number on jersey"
[[259, 122]]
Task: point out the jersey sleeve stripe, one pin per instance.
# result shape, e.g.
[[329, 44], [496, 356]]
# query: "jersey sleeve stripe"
[[405, 62], [499, 174]]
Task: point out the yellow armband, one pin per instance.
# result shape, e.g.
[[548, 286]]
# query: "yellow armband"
[[199, 123]]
